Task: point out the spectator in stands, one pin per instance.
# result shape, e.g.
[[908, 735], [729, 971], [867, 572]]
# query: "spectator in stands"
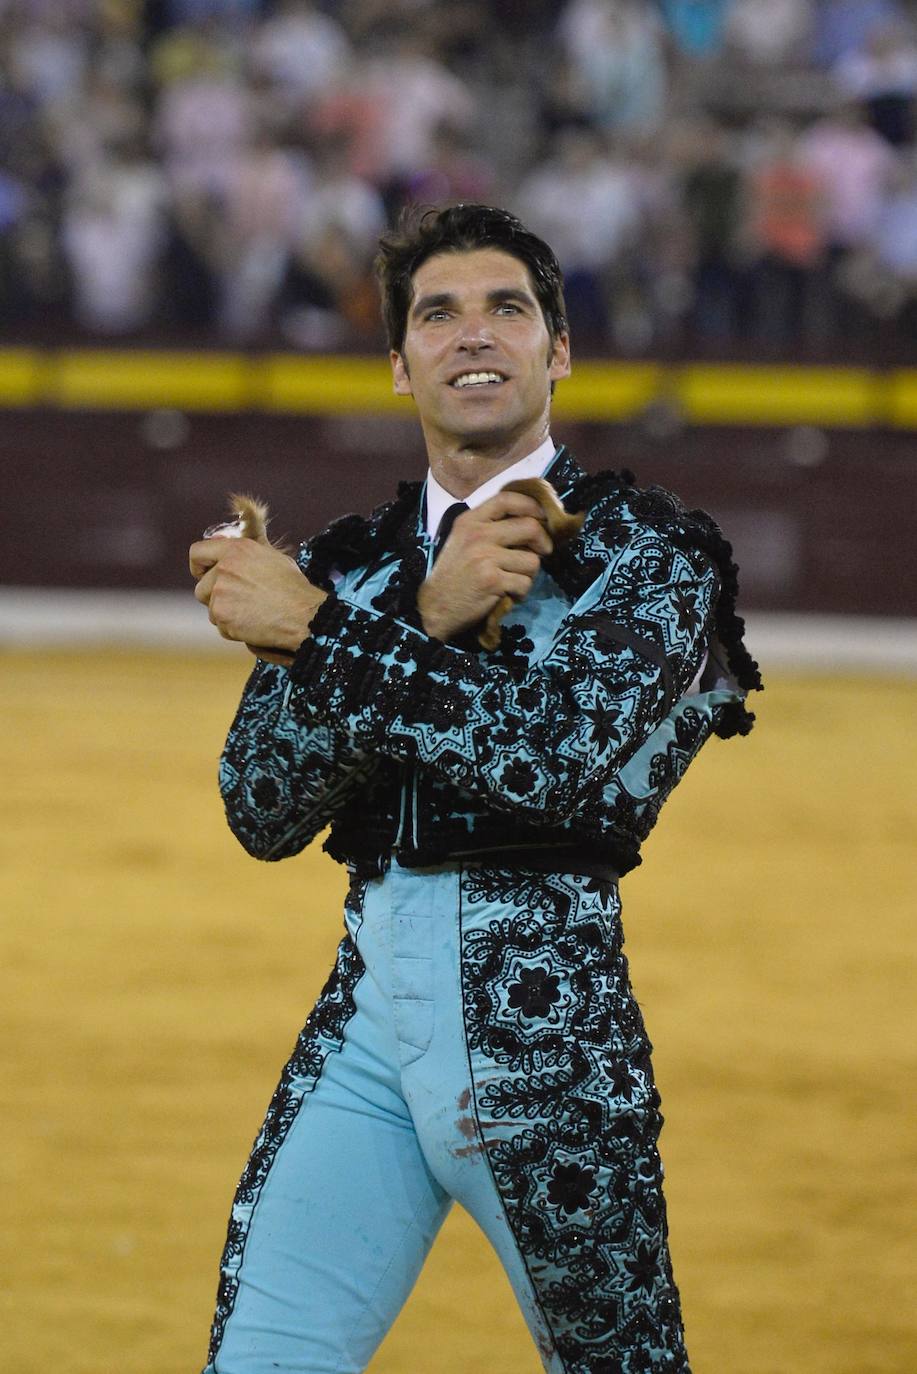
[[697, 26], [335, 200], [18, 103], [615, 50], [392, 105], [191, 264], [785, 237], [456, 172], [49, 52], [328, 297], [262, 198], [34, 275], [769, 35], [389, 109], [108, 111], [844, 26], [203, 120], [190, 50], [882, 276], [883, 75], [895, 237], [589, 244], [301, 51], [112, 235], [853, 165], [712, 200]]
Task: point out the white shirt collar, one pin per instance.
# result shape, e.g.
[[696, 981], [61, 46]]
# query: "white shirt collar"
[[439, 500]]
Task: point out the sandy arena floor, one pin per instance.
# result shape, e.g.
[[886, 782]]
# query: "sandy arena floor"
[[155, 978]]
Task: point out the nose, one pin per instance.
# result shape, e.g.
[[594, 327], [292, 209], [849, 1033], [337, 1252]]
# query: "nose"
[[475, 334]]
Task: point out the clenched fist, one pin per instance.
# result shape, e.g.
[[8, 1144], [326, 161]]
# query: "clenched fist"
[[492, 551], [255, 594]]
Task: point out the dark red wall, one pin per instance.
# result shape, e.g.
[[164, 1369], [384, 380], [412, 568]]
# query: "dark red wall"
[[821, 521]]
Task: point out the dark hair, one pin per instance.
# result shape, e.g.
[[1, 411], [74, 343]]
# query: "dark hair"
[[421, 233]]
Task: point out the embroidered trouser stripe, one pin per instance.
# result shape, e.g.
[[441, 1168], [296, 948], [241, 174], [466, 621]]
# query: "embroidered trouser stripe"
[[323, 1034], [568, 1112]]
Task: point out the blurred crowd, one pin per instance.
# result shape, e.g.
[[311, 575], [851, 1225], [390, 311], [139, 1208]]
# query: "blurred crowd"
[[713, 174]]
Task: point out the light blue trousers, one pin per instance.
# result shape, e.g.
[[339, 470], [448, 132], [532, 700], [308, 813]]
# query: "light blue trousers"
[[477, 1041]]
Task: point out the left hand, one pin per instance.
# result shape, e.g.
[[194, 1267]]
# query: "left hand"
[[255, 594]]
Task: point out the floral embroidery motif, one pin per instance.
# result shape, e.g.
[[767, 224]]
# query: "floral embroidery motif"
[[569, 1113], [571, 1188], [519, 776], [536, 992]]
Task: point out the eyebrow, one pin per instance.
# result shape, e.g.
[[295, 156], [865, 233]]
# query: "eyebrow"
[[495, 297]]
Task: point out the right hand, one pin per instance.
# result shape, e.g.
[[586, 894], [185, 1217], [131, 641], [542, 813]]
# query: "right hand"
[[492, 551]]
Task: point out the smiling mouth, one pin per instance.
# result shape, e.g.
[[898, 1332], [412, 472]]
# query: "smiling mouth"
[[477, 379]]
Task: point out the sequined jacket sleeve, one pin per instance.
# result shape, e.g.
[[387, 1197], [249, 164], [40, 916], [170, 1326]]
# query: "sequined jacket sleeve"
[[541, 743], [283, 774]]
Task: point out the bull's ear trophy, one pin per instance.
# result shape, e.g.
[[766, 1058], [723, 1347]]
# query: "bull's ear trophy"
[[250, 521]]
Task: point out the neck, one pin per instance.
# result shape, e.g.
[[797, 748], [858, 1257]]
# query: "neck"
[[460, 468]]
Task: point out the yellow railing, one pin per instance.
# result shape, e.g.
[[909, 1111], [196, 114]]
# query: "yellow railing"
[[288, 383]]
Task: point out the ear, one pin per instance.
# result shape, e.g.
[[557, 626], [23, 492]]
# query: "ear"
[[559, 360], [400, 374]]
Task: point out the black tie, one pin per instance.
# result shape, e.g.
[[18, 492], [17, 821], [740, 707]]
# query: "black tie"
[[445, 526]]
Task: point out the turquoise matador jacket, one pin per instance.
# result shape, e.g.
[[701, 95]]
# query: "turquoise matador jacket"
[[565, 740]]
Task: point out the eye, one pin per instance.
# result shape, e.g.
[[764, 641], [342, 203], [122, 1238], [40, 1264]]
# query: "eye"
[[508, 308], [438, 314]]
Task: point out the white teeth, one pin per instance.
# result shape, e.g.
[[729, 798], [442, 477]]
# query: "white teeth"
[[476, 378]]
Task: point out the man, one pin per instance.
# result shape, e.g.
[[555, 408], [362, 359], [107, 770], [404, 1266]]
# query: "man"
[[478, 1039]]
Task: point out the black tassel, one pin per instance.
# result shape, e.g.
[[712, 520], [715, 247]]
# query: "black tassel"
[[354, 541]]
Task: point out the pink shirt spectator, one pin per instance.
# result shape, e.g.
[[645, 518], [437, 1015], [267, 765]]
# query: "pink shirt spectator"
[[853, 165]]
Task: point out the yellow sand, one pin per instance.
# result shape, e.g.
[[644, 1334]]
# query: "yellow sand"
[[155, 978]]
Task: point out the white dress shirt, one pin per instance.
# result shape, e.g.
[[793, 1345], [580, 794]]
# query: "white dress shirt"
[[439, 500]]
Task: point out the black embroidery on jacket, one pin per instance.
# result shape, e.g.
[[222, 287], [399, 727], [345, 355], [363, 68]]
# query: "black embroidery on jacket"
[[362, 671]]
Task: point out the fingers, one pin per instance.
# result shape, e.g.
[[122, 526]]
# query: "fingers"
[[520, 561], [204, 589], [203, 554], [508, 531], [521, 532], [513, 576], [510, 503], [517, 586]]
